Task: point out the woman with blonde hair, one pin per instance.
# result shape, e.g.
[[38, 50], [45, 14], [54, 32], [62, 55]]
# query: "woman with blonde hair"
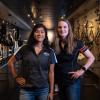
[[68, 71]]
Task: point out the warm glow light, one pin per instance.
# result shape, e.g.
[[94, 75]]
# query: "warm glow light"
[[32, 21], [50, 36], [48, 23], [33, 11], [28, 15], [34, 24], [63, 16]]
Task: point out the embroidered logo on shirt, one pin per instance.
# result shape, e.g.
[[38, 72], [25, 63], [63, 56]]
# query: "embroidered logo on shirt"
[[46, 53]]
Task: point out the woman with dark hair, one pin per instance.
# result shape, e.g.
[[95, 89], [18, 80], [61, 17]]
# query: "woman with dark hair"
[[36, 79], [68, 71], [32, 40]]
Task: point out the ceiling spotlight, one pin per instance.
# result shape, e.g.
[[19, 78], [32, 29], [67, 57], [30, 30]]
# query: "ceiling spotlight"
[[32, 21], [34, 24], [63, 16], [28, 15]]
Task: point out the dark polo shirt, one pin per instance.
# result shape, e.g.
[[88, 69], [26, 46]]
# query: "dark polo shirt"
[[68, 62], [34, 68]]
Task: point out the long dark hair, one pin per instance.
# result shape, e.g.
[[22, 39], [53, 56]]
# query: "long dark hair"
[[32, 40]]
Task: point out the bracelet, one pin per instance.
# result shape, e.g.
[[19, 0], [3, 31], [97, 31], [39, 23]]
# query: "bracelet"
[[83, 68]]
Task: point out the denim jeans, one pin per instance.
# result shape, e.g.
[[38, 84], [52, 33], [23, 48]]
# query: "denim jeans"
[[35, 94], [70, 92]]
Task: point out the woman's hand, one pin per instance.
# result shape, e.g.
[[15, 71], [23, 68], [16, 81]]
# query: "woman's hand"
[[21, 81], [76, 74], [50, 96]]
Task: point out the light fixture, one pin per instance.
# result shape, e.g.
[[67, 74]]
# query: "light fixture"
[[32, 21], [28, 15]]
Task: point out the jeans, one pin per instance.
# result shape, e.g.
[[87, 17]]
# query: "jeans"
[[35, 94], [70, 92]]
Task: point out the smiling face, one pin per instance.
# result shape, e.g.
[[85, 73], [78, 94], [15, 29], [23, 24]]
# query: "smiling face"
[[62, 29], [39, 34]]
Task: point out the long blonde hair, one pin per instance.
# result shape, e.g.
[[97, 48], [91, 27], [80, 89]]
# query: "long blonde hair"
[[70, 41]]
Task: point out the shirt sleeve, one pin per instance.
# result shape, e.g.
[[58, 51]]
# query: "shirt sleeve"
[[53, 58], [19, 53], [81, 46]]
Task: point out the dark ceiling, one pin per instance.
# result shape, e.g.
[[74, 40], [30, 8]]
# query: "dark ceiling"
[[46, 11]]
